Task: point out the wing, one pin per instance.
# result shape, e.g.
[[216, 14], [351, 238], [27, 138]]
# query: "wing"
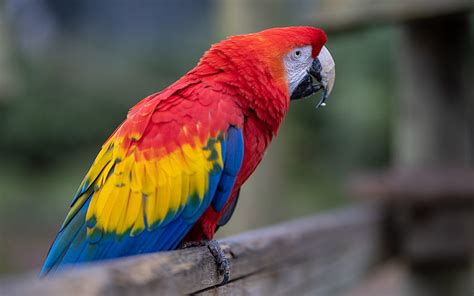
[[137, 198]]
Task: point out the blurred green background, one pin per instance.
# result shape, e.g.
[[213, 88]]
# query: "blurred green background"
[[70, 70]]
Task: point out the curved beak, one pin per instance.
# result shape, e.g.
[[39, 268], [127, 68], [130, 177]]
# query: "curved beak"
[[321, 76]]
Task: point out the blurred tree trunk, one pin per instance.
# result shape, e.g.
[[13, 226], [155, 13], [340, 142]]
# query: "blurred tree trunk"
[[433, 119], [247, 16], [432, 130], [7, 77]]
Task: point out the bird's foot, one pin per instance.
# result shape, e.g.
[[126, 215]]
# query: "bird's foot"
[[223, 264]]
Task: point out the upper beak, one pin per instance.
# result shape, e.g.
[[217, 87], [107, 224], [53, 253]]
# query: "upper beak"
[[328, 73], [322, 70]]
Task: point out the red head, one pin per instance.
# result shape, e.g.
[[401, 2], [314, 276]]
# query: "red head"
[[270, 67]]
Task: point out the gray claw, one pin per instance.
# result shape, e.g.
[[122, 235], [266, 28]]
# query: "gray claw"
[[223, 264]]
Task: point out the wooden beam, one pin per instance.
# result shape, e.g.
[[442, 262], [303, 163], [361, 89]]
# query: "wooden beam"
[[244, 16], [433, 211], [346, 15], [326, 253], [418, 186]]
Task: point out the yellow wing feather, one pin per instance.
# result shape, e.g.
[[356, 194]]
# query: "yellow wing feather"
[[131, 192]]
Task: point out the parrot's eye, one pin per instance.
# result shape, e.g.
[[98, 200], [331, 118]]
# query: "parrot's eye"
[[301, 54]]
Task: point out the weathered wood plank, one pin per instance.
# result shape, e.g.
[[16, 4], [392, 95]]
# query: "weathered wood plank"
[[316, 255]]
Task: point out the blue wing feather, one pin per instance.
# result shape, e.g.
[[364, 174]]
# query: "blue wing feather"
[[233, 161]]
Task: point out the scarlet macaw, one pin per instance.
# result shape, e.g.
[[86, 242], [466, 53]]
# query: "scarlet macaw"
[[172, 171]]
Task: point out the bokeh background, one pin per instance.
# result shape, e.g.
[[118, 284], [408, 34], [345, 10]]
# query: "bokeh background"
[[70, 70]]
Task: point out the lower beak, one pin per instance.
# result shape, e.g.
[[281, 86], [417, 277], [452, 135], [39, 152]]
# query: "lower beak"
[[321, 76]]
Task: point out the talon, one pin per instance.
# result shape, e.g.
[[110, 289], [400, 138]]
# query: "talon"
[[223, 264]]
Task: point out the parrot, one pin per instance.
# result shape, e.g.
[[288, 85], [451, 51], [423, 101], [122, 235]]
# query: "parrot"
[[170, 174]]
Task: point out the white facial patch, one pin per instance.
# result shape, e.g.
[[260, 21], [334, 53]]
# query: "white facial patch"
[[297, 63]]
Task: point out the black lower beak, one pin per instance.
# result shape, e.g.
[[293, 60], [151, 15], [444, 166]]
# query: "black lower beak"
[[311, 84]]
